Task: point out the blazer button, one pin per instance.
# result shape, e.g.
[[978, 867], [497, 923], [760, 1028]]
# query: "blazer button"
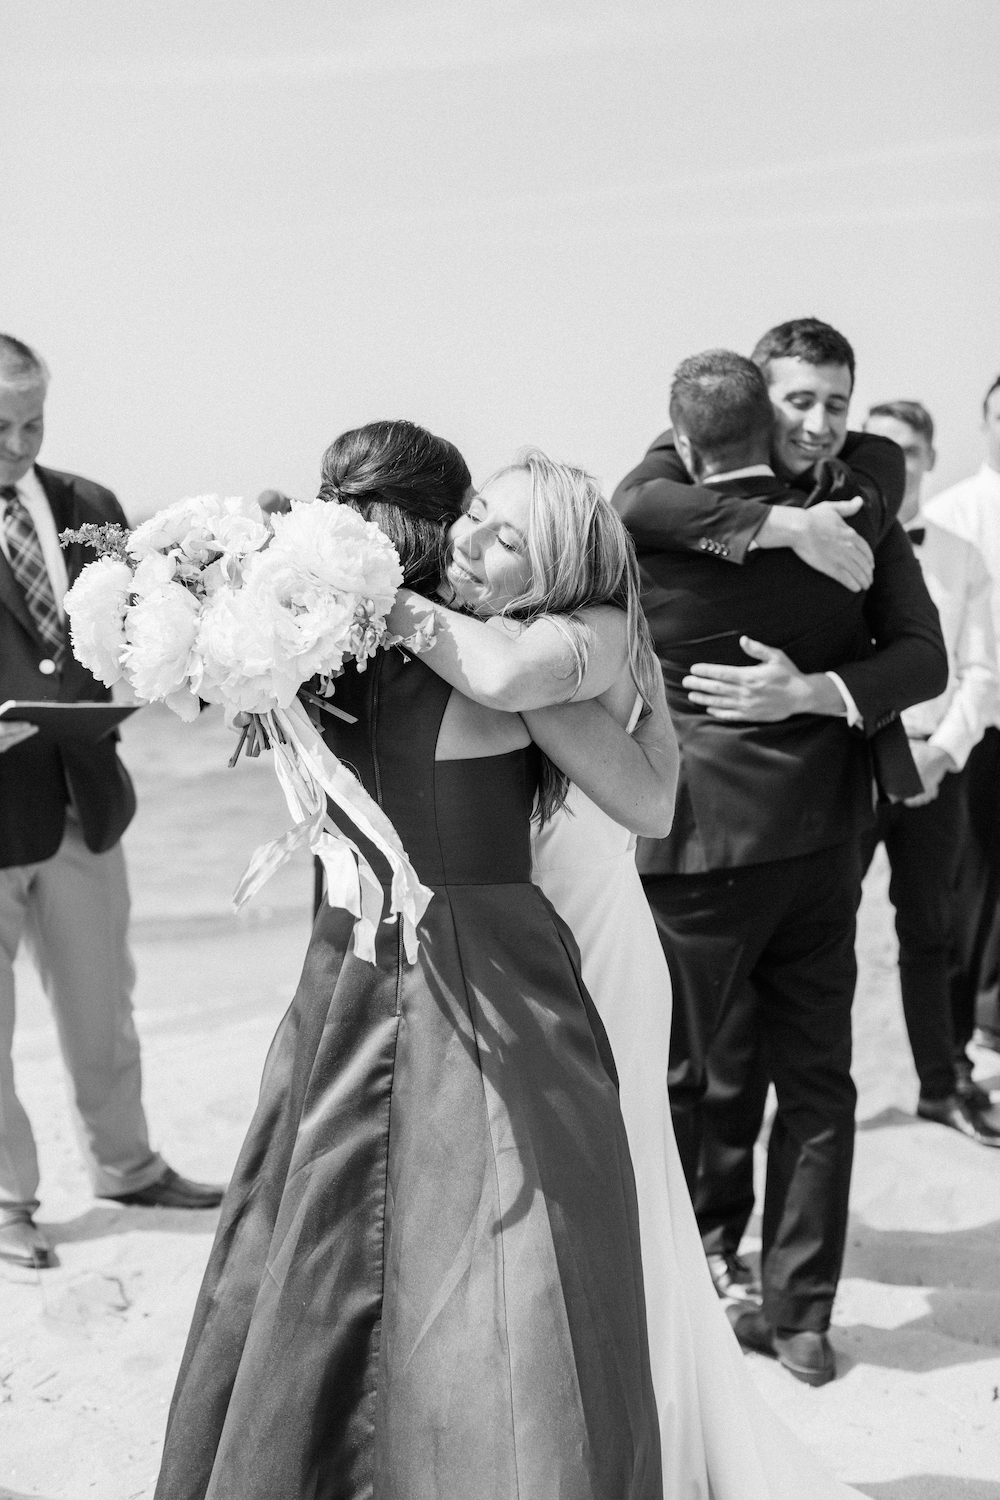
[[703, 544], [46, 666]]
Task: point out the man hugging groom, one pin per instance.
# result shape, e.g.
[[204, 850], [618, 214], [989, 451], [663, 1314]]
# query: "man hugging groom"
[[793, 625]]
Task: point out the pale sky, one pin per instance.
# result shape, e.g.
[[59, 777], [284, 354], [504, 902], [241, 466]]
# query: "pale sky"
[[235, 228]]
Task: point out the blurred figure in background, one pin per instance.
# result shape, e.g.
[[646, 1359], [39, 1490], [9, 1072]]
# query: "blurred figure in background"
[[971, 510], [274, 503], [923, 834], [63, 810]]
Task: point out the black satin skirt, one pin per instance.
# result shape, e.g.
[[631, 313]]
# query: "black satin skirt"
[[426, 1282]]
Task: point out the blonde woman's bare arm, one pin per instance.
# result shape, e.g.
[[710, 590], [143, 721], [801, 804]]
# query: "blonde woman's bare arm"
[[631, 777], [507, 665]]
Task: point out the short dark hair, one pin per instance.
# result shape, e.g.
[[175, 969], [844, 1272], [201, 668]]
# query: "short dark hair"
[[913, 413], [406, 480], [719, 400], [19, 364], [986, 399], [804, 338]]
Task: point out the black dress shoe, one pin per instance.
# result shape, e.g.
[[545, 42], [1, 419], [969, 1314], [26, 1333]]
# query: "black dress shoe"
[[172, 1191], [806, 1355], [985, 1036], [22, 1242], [733, 1278], [974, 1124], [969, 1091]]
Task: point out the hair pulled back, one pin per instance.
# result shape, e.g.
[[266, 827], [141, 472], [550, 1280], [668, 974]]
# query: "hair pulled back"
[[580, 556], [406, 480]]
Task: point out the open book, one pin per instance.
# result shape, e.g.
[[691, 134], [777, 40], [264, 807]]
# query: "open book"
[[87, 722]]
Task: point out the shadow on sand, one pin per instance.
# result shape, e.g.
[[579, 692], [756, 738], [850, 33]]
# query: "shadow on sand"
[[961, 1321], [932, 1487], [104, 1220]]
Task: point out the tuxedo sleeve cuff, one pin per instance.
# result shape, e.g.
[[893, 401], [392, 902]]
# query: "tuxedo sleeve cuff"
[[854, 719]]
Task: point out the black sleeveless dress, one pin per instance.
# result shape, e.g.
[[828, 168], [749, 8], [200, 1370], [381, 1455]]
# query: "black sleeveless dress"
[[426, 1282]]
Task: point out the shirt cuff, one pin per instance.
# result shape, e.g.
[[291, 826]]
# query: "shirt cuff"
[[955, 740], [854, 719]]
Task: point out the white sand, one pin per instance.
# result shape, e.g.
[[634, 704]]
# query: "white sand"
[[88, 1351]]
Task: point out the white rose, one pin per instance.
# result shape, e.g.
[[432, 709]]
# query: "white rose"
[[241, 528], [161, 629], [96, 606], [153, 572], [187, 526]]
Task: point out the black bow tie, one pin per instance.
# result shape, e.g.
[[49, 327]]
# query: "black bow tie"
[[916, 535]]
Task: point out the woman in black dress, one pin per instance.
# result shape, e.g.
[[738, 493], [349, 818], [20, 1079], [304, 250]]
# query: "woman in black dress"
[[426, 1283]]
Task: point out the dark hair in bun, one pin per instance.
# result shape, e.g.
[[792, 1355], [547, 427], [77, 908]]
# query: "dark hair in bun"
[[409, 482]]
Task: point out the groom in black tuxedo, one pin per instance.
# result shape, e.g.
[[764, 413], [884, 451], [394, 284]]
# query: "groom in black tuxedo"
[[63, 810], [755, 890]]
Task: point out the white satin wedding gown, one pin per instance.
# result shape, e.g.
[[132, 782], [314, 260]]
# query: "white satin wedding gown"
[[719, 1439]]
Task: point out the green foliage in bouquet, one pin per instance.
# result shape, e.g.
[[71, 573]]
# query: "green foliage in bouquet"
[[106, 540]]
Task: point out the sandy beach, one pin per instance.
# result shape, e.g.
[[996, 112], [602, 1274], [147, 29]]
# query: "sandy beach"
[[89, 1350]]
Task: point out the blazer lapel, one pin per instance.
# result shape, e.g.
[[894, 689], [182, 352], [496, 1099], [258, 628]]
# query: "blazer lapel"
[[62, 504]]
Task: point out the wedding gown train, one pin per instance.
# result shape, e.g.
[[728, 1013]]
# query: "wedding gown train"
[[718, 1438]]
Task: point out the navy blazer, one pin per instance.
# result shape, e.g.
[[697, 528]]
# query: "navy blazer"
[[753, 793], [37, 779]]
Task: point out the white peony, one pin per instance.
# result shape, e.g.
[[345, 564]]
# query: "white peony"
[[333, 546], [240, 527], [161, 628], [96, 606], [247, 646], [187, 525]]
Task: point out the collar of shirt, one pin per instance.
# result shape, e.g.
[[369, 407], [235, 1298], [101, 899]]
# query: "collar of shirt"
[[36, 503], [752, 471]]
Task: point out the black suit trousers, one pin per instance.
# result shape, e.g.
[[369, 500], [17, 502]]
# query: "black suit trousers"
[[976, 896], [762, 963], [923, 848]]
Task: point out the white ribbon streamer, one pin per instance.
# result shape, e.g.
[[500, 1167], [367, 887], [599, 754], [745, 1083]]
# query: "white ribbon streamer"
[[309, 773]]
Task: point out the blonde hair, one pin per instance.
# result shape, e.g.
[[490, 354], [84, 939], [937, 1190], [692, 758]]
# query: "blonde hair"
[[580, 555]]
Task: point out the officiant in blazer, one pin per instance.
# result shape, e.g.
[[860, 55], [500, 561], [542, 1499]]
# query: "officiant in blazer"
[[755, 889], [63, 810]]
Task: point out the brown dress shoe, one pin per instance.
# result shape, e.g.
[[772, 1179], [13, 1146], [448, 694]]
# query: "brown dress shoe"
[[806, 1355], [22, 1243], [172, 1191]]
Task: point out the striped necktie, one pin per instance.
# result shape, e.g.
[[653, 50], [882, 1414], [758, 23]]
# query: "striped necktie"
[[27, 563]]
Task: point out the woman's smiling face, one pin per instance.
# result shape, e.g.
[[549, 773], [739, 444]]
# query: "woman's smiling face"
[[488, 562]]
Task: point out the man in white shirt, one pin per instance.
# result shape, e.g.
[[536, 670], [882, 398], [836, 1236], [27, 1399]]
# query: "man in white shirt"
[[63, 809], [923, 836], [971, 510]]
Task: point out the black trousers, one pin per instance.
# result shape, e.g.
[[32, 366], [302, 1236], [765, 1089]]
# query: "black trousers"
[[923, 845], [762, 963], [975, 925]]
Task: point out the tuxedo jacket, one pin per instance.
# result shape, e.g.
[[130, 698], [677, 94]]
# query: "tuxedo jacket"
[[752, 793], [38, 779], [664, 507]]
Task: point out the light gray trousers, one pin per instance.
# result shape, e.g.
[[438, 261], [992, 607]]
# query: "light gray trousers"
[[72, 912]]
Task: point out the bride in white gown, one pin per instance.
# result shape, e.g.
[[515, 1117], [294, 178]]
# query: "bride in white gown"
[[719, 1439]]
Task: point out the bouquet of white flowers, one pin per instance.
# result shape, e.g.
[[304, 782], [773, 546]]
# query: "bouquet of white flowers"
[[205, 600]]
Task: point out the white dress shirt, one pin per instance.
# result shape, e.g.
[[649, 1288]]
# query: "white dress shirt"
[[972, 510], [959, 583], [36, 503]]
